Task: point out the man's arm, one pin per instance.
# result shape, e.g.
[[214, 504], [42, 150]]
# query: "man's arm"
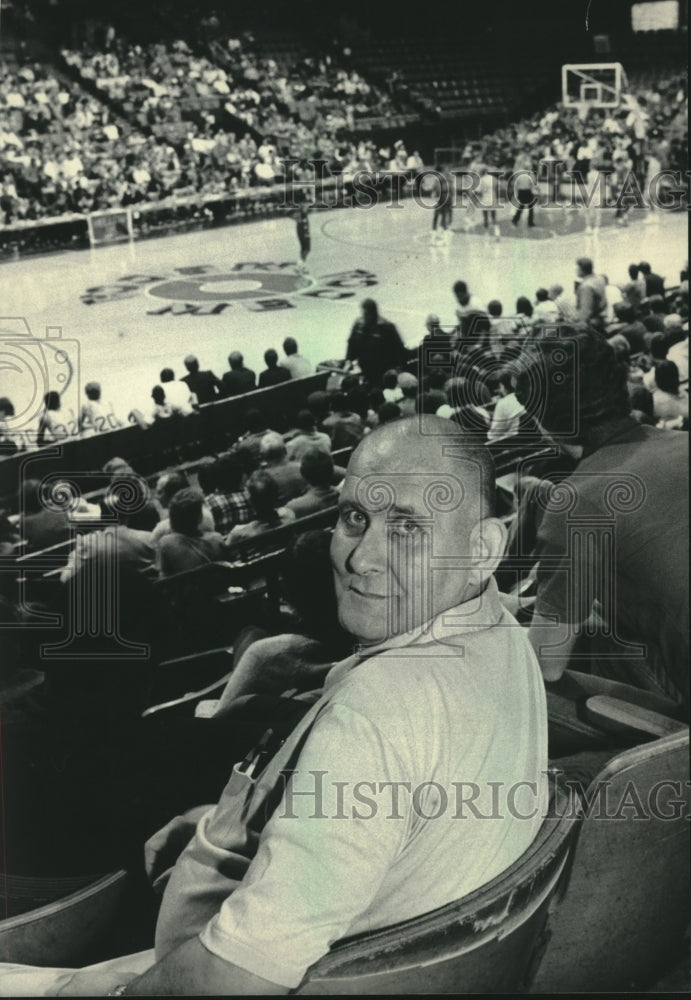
[[76, 558], [352, 348], [191, 970], [545, 632], [585, 298]]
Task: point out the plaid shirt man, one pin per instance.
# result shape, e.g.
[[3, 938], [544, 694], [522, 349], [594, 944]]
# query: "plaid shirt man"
[[229, 509]]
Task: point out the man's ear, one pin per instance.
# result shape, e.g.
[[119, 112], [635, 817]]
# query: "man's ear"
[[487, 546]]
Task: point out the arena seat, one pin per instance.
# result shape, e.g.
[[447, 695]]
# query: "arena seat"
[[222, 421], [486, 942], [175, 678], [626, 906], [259, 561], [72, 930], [203, 607], [185, 704]]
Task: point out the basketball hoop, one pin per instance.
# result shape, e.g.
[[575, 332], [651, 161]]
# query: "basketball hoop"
[[592, 85]]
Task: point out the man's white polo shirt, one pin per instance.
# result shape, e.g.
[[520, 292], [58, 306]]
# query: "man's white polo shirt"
[[421, 779]]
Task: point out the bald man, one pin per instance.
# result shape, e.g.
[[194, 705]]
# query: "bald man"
[[417, 776]]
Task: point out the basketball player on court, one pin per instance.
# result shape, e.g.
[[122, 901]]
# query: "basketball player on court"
[[444, 208], [488, 190], [525, 186], [303, 231]]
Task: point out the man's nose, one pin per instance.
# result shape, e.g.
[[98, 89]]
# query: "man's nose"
[[370, 554]]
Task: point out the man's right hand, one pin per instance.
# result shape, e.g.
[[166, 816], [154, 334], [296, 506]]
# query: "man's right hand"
[[162, 850]]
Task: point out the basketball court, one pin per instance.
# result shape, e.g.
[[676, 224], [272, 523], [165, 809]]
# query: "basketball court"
[[120, 313]]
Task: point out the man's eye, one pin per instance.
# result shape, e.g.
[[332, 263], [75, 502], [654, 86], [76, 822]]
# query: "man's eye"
[[354, 520], [407, 526]]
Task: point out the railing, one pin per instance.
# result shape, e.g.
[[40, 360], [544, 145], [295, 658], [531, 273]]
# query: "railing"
[[170, 442]]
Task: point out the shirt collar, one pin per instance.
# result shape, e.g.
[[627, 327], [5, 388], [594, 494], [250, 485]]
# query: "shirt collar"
[[480, 612]]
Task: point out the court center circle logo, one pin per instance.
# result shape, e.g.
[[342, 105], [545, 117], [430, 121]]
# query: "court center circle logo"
[[206, 289]]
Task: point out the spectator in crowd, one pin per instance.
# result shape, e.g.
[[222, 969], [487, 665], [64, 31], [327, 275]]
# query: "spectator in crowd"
[[161, 410], [657, 352], [52, 427], [634, 290], [545, 309], [188, 545], [642, 409], [238, 379], [434, 382], [591, 298], [11, 440], [294, 362], [524, 314], [628, 326], [567, 310], [319, 405], [374, 344], [285, 473], [41, 523], [228, 498], [613, 296], [344, 427], [95, 416], [668, 402], [121, 474], [388, 412], [132, 548], [508, 411], [204, 384], [611, 448], [654, 284], [317, 469], [356, 394], [179, 396], [375, 398], [308, 438], [264, 496], [467, 303], [390, 387], [620, 346], [679, 350], [249, 444], [501, 329], [656, 309], [274, 373], [411, 390], [168, 484], [118, 467], [436, 344]]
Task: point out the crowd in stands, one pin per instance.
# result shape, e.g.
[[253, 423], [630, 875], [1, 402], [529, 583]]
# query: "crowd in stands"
[[64, 150], [306, 106]]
